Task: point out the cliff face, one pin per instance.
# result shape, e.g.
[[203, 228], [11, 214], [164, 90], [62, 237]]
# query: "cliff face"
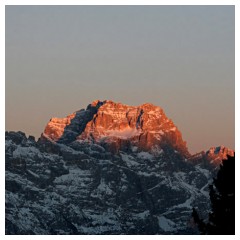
[[212, 158], [117, 127], [67, 129]]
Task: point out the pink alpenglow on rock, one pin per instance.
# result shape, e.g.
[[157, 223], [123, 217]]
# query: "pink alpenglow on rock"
[[117, 126], [55, 127]]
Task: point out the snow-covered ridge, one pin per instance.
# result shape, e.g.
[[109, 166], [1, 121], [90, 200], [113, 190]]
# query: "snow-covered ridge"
[[84, 188]]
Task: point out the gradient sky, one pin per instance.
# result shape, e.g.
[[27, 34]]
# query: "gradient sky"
[[61, 58]]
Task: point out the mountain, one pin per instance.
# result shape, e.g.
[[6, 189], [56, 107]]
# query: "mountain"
[[106, 169], [118, 127], [212, 158]]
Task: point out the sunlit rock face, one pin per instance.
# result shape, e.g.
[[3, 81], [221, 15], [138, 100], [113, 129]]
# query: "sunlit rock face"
[[219, 153], [55, 128], [212, 158], [66, 130], [118, 126]]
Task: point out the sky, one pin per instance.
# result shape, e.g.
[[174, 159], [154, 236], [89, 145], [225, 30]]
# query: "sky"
[[181, 58]]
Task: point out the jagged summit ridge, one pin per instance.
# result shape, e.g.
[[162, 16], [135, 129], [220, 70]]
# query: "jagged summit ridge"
[[118, 126], [221, 150]]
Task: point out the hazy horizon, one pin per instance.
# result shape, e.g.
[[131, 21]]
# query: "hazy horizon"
[[61, 58]]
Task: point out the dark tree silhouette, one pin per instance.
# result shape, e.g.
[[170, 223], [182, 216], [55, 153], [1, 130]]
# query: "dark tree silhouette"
[[222, 195]]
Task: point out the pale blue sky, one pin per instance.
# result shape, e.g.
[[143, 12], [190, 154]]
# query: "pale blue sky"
[[61, 58]]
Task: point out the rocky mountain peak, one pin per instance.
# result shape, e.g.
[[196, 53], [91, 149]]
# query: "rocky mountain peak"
[[118, 127], [95, 103], [217, 154], [213, 157]]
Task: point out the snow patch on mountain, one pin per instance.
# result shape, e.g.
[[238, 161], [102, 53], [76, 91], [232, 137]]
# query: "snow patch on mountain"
[[166, 224], [123, 133], [145, 155]]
